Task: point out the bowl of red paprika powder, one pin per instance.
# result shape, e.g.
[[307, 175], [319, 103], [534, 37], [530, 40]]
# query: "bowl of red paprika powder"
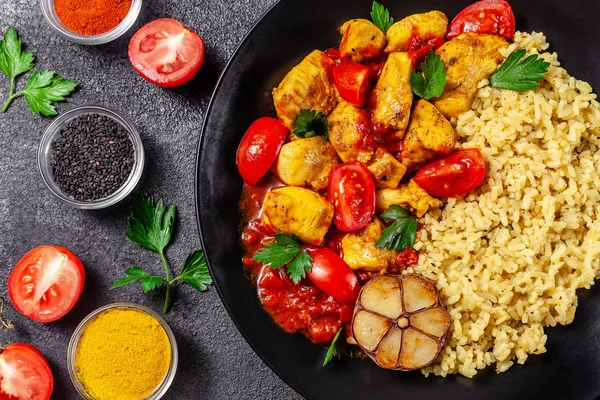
[[91, 22]]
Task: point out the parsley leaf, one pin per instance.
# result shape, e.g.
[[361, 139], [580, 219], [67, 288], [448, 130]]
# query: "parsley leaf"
[[14, 61], [381, 17], [431, 83], [280, 252], [298, 268], [151, 223], [518, 74], [402, 233], [148, 282], [335, 348], [195, 271], [311, 123]]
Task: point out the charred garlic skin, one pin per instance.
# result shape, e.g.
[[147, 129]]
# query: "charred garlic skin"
[[400, 321]]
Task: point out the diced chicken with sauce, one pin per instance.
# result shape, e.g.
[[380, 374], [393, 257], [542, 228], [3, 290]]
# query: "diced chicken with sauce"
[[387, 171], [409, 196], [300, 211], [360, 251], [468, 58], [392, 96], [425, 26], [348, 129], [430, 135], [307, 86], [306, 162], [361, 40]]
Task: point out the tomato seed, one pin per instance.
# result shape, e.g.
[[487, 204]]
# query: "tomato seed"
[[27, 279], [53, 292]]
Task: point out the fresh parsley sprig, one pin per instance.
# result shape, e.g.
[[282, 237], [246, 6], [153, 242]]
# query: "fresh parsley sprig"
[[311, 123], [433, 79], [286, 249], [151, 226], [5, 322], [336, 348], [403, 231], [518, 74], [381, 17], [42, 88]]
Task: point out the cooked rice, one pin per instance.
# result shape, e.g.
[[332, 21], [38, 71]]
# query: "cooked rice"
[[509, 257]]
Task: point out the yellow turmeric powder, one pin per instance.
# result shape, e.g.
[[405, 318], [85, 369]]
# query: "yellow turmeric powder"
[[123, 354]]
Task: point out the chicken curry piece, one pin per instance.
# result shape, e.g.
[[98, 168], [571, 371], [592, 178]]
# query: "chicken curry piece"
[[424, 26], [361, 40]]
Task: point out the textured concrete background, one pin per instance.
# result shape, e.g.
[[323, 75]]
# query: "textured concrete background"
[[216, 362]]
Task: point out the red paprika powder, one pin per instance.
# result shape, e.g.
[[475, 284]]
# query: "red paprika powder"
[[91, 17]]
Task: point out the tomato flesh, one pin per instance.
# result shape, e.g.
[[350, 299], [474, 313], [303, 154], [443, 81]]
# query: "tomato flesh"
[[408, 256], [495, 17], [453, 176], [46, 283], [334, 276], [419, 48], [259, 148], [24, 373], [353, 81], [351, 190], [166, 53]]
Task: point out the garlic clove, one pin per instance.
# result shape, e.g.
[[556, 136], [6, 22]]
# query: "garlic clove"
[[383, 296], [389, 349], [418, 293], [369, 329], [418, 350], [434, 321]]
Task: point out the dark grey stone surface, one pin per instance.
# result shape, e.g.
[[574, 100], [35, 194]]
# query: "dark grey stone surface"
[[216, 362]]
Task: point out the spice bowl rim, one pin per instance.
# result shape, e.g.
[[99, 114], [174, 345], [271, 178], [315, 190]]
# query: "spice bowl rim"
[[161, 389], [44, 158], [56, 24]]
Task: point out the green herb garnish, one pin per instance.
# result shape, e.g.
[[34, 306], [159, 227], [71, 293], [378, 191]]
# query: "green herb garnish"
[[42, 88], [433, 79], [402, 233], [286, 249], [381, 17], [335, 348], [311, 123], [518, 74], [5, 322], [151, 226]]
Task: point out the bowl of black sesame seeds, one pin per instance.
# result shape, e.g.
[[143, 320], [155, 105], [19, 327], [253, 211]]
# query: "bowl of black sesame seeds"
[[91, 158]]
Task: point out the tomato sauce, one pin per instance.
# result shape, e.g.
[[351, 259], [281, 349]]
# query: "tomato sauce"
[[301, 308]]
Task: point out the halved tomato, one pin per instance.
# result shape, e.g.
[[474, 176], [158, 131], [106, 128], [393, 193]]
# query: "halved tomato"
[[166, 52], [24, 373], [353, 81], [334, 276], [46, 283], [487, 16]]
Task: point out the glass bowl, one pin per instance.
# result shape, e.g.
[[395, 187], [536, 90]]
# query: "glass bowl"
[[161, 389], [46, 147], [50, 14]]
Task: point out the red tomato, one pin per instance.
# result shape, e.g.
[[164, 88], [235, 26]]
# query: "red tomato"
[[24, 373], [332, 275], [353, 81], [408, 256], [351, 190], [166, 53], [423, 48], [259, 148], [346, 313], [383, 137], [486, 16], [46, 283], [454, 175], [334, 54]]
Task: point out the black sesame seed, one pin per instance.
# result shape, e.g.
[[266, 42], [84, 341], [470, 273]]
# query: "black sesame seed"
[[91, 157]]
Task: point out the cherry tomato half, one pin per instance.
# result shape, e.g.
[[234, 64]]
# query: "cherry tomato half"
[[486, 16], [332, 275], [46, 283], [351, 190], [453, 176], [24, 373], [422, 48], [166, 53], [259, 148], [353, 81]]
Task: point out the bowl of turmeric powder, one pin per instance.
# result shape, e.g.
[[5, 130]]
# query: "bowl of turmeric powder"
[[122, 351], [91, 22]]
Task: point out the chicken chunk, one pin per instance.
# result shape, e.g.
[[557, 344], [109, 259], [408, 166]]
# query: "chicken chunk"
[[392, 97], [306, 86], [360, 251], [361, 40], [300, 211], [387, 171], [306, 162], [348, 129], [429, 135], [409, 196], [425, 26], [468, 58]]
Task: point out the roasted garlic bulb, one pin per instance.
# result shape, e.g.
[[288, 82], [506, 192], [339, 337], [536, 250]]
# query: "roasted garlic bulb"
[[400, 322]]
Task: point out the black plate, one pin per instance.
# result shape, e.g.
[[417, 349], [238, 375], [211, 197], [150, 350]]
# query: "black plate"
[[287, 32]]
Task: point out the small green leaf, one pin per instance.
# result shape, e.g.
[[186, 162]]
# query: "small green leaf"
[[431, 82], [518, 74], [195, 271], [381, 17], [150, 283], [395, 212], [135, 274], [14, 61], [151, 223], [311, 123], [43, 88], [298, 268], [335, 348], [403, 231], [280, 252]]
